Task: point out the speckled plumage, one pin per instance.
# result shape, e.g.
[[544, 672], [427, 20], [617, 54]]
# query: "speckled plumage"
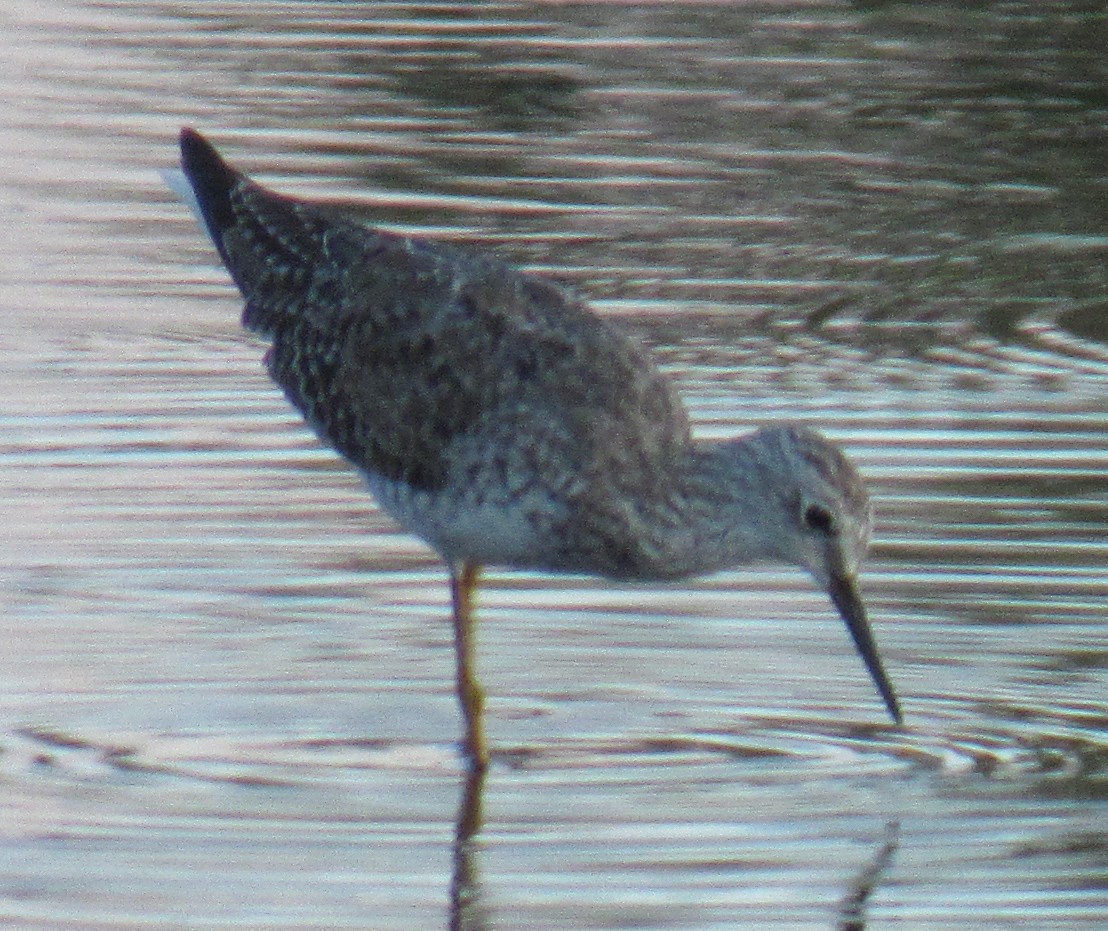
[[494, 415]]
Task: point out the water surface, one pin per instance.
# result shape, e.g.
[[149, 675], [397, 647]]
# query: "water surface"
[[225, 694]]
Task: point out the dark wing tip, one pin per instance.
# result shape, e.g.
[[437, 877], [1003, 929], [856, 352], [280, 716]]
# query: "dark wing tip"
[[212, 180]]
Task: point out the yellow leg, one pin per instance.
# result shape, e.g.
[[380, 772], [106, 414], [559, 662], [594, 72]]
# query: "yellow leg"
[[463, 587]]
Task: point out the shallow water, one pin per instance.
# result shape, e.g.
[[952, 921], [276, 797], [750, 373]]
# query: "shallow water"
[[225, 694]]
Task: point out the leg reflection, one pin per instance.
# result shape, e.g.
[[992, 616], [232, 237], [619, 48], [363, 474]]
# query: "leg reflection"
[[852, 910], [466, 913]]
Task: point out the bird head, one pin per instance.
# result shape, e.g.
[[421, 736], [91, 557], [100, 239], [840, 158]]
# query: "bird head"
[[824, 518]]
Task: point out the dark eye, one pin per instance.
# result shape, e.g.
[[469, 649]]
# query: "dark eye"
[[818, 518]]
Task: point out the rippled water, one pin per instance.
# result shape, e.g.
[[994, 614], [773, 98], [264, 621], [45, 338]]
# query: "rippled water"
[[225, 693]]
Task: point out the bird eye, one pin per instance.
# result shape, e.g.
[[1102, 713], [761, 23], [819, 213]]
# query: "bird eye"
[[818, 518]]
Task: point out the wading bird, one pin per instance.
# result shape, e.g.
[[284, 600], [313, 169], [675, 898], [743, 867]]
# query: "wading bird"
[[495, 416]]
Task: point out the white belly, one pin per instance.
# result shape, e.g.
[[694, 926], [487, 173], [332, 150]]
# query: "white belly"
[[463, 530]]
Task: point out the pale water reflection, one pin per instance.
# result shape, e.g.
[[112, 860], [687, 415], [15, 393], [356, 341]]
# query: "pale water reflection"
[[225, 690]]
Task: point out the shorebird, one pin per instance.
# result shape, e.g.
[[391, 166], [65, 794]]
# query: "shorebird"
[[495, 416]]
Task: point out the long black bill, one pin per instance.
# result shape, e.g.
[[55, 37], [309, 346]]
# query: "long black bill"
[[844, 593]]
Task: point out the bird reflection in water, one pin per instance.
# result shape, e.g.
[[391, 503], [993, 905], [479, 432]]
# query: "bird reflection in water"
[[468, 911], [852, 909]]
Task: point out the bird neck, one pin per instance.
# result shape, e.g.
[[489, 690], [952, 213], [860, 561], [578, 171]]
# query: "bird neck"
[[719, 511]]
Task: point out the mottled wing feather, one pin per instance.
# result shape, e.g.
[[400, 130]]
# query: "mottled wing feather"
[[413, 358]]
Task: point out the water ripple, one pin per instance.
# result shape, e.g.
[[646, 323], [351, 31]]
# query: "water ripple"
[[1055, 753]]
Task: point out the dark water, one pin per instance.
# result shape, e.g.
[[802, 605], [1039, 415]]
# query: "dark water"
[[225, 688]]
